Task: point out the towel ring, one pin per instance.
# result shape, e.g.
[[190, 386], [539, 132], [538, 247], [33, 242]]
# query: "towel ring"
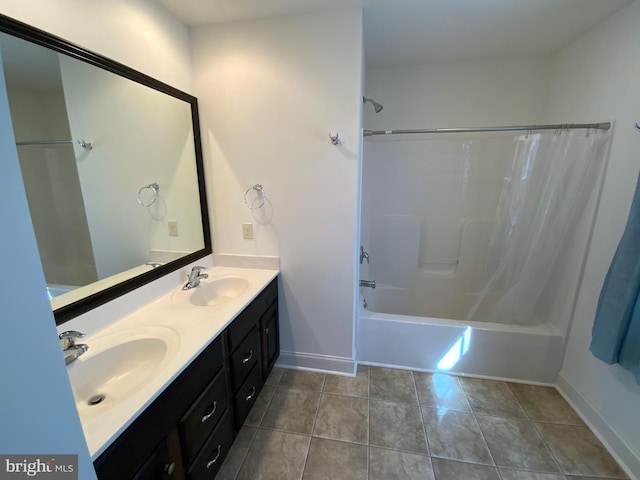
[[260, 195], [147, 202]]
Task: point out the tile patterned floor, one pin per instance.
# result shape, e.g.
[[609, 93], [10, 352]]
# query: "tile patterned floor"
[[388, 424]]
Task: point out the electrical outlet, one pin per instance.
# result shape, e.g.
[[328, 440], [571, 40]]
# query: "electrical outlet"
[[247, 231], [173, 228]]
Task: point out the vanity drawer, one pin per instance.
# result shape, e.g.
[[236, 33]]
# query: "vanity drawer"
[[246, 396], [244, 358], [202, 417], [210, 458], [249, 317]]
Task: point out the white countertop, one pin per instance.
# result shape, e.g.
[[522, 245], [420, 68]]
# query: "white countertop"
[[195, 326]]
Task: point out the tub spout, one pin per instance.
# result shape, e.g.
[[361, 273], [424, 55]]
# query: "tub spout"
[[368, 283]]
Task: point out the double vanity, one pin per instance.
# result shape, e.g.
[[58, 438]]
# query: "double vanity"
[[162, 392]]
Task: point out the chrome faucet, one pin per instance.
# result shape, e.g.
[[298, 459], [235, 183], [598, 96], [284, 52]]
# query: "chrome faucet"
[[363, 255], [194, 278], [71, 349], [368, 283]]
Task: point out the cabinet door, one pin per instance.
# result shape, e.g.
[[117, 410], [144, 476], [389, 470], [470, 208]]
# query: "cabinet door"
[[270, 333], [163, 464]]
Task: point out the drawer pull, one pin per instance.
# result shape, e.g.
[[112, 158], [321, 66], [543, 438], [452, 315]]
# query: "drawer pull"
[[248, 357], [169, 468], [208, 415], [266, 330], [211, 462], [250, 396]]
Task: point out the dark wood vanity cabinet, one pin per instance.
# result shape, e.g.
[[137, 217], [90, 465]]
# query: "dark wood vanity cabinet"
[[270, 337], [186, 432], [249, 346]]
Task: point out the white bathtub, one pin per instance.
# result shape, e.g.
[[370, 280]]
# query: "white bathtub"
[[525, 353]]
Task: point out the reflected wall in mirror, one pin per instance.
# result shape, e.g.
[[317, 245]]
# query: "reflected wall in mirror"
[[112, 169]]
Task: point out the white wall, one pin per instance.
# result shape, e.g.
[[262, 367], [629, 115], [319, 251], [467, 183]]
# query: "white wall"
[[596, 79], [269, 92], [38, 414], [139, 34], [460, 94]]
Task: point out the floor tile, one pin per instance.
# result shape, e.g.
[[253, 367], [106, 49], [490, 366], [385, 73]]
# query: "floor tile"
[[392, 385], [292, 411], [344, 418], [578, 451], [440, 390], [396, 426], [451, 470], [357, 386], [275, 376], [544, 404], [330, 460], [260, 406], [302, 380], [516, 443], [275, 455], [237, 454], [387, 464], [491, 397], [455, 435], [508, 474]]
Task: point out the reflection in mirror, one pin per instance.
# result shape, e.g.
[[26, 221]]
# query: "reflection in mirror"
[[109, 168]]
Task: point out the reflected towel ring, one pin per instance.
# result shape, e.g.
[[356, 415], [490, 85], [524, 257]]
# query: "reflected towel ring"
[[149, 199], [261, 196]]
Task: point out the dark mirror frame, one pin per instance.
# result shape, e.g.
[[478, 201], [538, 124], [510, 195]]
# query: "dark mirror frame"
[[26, 32]]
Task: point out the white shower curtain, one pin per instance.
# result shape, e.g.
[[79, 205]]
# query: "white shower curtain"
[[542, 198]]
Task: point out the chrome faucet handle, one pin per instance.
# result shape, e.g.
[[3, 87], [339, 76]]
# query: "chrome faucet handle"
[[68, 338], [363, 255], [195, 271]]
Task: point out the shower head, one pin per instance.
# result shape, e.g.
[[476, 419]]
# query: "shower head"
[[376, 106]]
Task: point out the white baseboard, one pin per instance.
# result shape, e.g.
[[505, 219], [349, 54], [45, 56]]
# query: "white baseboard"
[[628, 459], [320, 363]]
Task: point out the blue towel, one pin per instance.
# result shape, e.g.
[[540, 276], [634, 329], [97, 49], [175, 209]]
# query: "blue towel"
[[616, 328]]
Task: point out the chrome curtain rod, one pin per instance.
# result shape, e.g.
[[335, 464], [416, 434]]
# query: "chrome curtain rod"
[[528, 128], [44, 142], [82, 143]]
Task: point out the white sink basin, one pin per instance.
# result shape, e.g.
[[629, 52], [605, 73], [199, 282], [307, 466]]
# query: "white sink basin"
[[118, 365], [215, 291]]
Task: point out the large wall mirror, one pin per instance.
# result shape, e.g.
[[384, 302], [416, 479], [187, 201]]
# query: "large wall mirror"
[[112, 168]]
